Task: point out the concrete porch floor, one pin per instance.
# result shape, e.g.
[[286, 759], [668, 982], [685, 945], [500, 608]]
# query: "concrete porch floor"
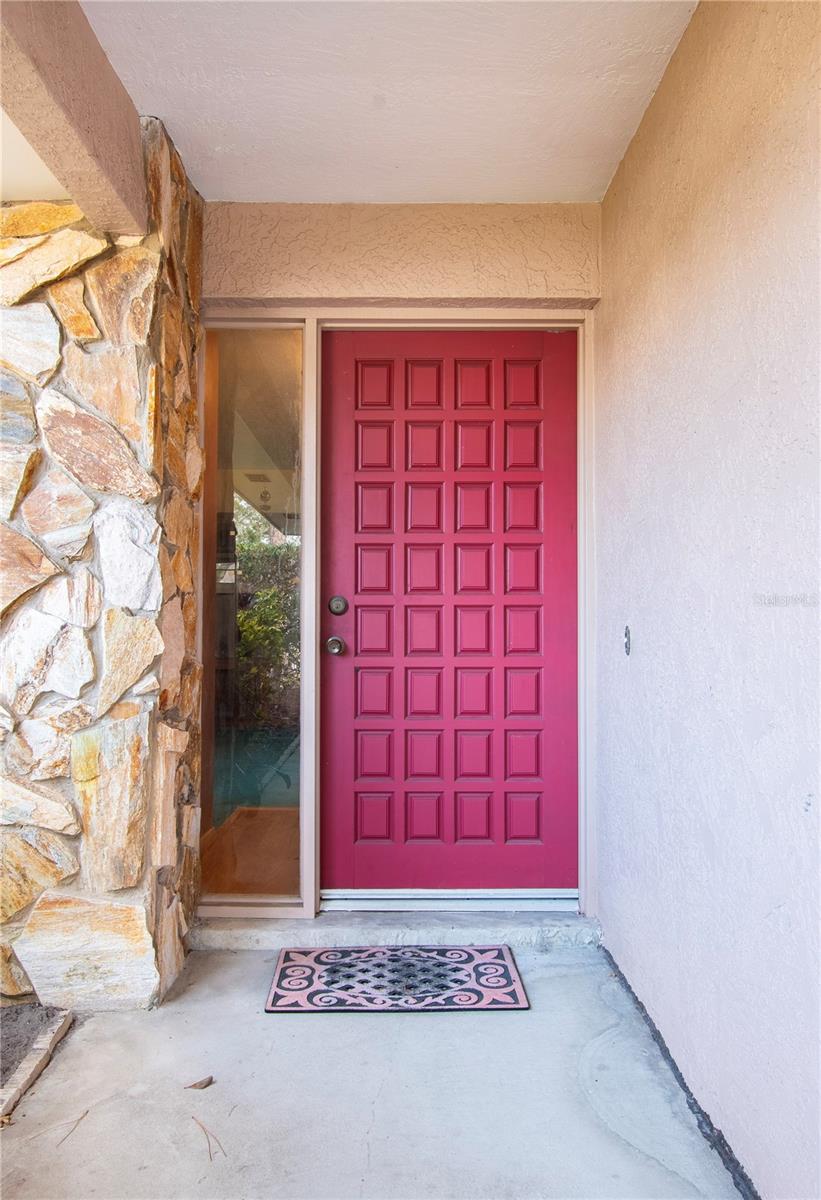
[[570, 1099]]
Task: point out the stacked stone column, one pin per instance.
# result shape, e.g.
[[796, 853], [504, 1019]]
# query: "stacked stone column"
[[100, 474]]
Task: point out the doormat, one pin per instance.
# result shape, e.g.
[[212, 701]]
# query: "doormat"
[[396, 979]]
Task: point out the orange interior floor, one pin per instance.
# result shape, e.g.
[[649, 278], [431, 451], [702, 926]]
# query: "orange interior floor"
[[254, 852]]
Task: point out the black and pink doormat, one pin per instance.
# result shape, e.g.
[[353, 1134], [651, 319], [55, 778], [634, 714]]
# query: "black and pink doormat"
[[396, 979]]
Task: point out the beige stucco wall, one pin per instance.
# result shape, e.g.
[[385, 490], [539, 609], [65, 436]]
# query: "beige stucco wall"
[[706, 534], [526, 253]]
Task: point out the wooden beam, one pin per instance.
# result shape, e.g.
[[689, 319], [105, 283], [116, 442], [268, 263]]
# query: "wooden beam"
[[64, 96]]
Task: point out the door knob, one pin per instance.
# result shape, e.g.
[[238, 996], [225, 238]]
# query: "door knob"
[[335, 645]]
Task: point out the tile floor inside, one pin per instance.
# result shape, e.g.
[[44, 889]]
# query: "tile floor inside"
[[254, 852], [570, 1099]]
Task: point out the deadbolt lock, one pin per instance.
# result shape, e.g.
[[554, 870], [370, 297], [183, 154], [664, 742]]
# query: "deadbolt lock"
[[338, 605]]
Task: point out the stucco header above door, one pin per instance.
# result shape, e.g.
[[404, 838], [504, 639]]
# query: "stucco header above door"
[[524, 254]]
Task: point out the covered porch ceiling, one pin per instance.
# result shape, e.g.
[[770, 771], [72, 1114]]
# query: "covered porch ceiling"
[[394, 102]]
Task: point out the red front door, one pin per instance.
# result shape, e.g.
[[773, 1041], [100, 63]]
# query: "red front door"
[[449, 526]]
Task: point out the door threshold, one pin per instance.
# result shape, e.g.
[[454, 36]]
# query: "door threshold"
[[449, 900], [519, 930]]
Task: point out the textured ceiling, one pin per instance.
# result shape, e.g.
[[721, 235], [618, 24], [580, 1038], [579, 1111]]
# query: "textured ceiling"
[[392, 101]]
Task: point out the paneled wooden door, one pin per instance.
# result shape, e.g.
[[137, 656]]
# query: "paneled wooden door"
[[449, 722]]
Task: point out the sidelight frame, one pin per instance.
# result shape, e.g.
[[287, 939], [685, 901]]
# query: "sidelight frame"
[[314, 320]]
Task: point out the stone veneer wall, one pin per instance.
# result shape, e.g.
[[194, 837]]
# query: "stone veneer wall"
[[100, 467]]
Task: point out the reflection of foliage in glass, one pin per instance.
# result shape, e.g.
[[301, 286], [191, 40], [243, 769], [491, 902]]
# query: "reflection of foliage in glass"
[[267, 619]]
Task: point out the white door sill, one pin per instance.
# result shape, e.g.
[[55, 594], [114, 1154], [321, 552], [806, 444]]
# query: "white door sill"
[[449, 900]]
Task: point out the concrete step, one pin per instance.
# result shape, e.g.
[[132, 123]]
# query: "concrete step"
[[521, 930]]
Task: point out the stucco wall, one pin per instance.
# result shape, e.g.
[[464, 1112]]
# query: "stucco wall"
[[526, 253], [706, 530]]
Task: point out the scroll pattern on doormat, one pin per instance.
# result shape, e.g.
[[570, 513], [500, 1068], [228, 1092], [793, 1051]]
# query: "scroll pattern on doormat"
[[396, 979]]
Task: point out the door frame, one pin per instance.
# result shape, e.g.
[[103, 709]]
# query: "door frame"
[[314, 320]]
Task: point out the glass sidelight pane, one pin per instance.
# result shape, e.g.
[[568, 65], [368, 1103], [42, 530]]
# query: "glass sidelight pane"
[[253, 844]]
